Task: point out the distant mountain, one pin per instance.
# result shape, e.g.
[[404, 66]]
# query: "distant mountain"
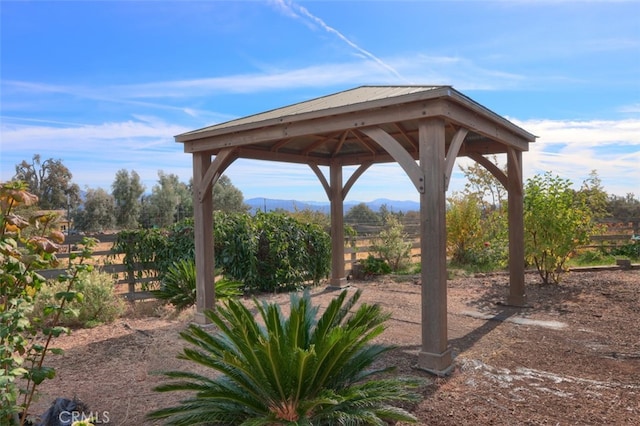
[[270, 204]]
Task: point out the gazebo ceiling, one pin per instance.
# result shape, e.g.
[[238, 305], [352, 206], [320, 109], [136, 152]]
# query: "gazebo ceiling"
[[331, 129]]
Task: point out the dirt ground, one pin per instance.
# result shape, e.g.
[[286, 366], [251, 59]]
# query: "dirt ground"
[[571, 358]]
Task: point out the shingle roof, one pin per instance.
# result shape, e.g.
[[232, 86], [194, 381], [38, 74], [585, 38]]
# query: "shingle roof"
[[350, 99]]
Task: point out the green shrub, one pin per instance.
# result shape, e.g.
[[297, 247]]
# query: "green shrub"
[[477, 239], [178, 286], [464, 227], [26, 339], [295, 370], [488, 257], [630, 250], [591, 257], [557, 221], [271, 251], [267, 252], [392, 245], [375, 266], [99, 303]]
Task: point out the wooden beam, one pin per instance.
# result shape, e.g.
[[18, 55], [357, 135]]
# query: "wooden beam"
[[215, 169], [397, 151], [354, 177], [322, 179], [492, 168], [452, 154], [364, 143], [285, 157], [345, 160], [482, 125], [276, 147], [406, 135], [329, 124], [340, 143], [321, 141]]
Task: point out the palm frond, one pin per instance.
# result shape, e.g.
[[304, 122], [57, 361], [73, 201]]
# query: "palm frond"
[[293, 369]]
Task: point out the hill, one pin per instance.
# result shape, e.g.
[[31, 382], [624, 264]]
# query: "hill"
[[270, 204]]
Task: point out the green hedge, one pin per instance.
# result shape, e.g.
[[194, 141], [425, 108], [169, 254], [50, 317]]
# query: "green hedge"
[[267, 252]]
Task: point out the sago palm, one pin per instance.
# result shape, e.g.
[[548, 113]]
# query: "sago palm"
[[178, 285], [290, 371]]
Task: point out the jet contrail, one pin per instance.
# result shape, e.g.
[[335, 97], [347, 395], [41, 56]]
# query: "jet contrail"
[[289, 6]]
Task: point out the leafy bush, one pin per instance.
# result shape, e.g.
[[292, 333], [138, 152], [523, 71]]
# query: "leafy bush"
[[25, 340], [557, 221], [392, 245], [295, 370], [488, 257], [270, 251], [99, 303], [140, 248], [630, 250], [267, 252], [476, 239], [591, 257], [178, 286], [464, 228], [375, 266]]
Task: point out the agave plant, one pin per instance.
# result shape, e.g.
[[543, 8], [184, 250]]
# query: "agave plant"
[[290, 371], [178, 285]]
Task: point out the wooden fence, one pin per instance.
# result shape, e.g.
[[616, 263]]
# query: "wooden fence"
[[131, 284], [135, 285]]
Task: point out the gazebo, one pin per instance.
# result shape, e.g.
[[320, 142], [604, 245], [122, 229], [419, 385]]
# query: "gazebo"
[[422, 128]]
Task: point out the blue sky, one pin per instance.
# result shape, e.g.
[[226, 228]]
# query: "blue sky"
[[106, 85]]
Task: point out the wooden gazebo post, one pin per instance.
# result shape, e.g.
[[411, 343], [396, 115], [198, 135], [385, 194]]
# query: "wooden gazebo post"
[[434, 356], [516, 295], [203, 234], [337, 225]]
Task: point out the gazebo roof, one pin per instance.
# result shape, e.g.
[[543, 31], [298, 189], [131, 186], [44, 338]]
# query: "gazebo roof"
[[324, 129]]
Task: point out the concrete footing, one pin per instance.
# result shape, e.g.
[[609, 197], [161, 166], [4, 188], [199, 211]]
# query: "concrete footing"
[[436, 364]]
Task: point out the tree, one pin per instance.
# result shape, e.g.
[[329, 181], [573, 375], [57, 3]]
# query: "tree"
[[163, 206], [361, 214], [625, 208], [464, 227], [228, 198], [594, 195], [556, 222], [126, 190], [50, 181], [484, 185], [295, 371], [308, 215], [98, 213]]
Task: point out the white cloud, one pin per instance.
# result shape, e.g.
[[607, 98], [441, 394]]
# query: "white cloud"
[[632, 108], [461, 72], [94, 153], [572, 149]]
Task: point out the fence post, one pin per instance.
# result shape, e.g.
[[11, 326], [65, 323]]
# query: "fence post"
[[131, 278]]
